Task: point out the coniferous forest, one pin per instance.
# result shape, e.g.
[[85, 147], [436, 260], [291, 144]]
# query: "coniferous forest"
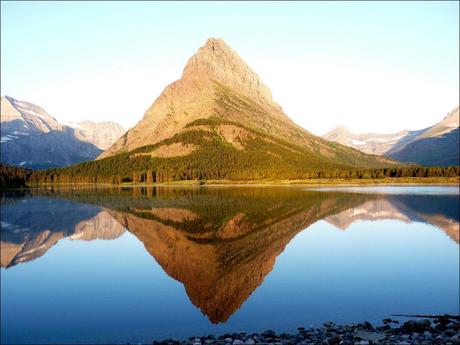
[[146, 172], [259, 157]]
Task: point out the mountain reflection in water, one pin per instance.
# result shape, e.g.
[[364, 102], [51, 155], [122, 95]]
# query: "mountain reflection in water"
[[220, 243]]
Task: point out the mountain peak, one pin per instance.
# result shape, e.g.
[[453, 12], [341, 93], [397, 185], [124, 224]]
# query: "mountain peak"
[[214, 48], [453, 117], [342, 128], [216, 61], [213, 42]]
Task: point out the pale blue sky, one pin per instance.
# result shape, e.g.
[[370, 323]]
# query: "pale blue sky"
[[381, 66]]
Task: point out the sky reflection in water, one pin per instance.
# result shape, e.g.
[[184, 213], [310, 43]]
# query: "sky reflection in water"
[[97, 266]]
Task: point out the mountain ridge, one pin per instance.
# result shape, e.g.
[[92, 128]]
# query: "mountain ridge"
[[32, 138], [433, 145]]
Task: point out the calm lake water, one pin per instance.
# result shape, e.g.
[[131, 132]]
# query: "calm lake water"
[[138, 264]]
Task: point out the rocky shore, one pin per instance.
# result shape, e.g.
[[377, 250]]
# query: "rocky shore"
[[439, 330]]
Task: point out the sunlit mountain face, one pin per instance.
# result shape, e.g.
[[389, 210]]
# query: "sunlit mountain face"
[[219, 243]]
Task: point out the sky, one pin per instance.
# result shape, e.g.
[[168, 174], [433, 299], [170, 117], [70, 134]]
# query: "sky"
[[371, 66]]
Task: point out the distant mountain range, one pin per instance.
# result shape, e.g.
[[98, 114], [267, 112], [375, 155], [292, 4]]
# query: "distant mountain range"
[[435, 145], [31, 138], [101, 134], [218, 121]]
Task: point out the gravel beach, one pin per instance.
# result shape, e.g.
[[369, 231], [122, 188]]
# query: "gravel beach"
[[439, 330]]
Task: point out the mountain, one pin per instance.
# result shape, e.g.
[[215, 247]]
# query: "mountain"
[[222, 113], [31, 138], [372, 143], [100, 134], [436, 145]]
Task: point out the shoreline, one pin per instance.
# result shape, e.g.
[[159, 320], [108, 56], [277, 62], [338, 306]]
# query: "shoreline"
[[397, 181], [441, 329]]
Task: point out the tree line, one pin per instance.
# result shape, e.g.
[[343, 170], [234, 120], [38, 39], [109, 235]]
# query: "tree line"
[[14, 177]]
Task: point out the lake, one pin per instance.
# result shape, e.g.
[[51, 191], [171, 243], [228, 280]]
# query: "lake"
[[137, 264]]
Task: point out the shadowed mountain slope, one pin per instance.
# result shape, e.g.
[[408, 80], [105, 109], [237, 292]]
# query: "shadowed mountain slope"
[[31, 138], [434, 146]]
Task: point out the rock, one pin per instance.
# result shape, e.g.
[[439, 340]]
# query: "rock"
[[444, 320], [334, 340], [367, 325], [427, 335], [362, 342], [440, 327], [455, 339], [371, 336], [384, 328], [420, 326], [338, 335], [423, 324]]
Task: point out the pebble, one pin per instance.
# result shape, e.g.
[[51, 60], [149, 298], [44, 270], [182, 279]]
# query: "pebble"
[[370, 336], [456, 338], [443, 331]]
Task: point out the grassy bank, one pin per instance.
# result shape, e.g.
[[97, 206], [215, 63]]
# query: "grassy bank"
[[322, 182], [450, 181]]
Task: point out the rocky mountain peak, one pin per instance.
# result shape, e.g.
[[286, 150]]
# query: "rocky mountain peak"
[[449, 123], [26, 116], [215, 60], [452, 118], [342, 129]]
